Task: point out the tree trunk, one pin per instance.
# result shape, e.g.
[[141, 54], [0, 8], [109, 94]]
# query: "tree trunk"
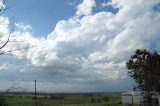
[[148, 98]]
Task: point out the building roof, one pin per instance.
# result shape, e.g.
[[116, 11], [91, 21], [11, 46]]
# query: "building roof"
[[133, 93]]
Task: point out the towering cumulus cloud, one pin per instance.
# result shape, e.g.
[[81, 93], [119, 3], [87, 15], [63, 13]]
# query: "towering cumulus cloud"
[[90, 46]]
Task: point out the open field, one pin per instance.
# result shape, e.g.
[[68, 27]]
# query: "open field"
[[81, 99]]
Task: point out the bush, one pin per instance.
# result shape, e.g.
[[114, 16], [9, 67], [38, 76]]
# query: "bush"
[[57, 97], [106, 98], [93, 99], [3, 102]]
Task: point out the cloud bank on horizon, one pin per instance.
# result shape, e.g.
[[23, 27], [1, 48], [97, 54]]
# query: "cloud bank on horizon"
[[86, 52]]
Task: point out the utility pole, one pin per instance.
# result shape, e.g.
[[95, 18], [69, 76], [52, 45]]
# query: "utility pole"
[[35, 94]]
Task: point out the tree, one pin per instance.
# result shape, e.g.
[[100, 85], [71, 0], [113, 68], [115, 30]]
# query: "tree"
[[144, 68], [3, 101], [3, 44], [7, 36], [6, 42]]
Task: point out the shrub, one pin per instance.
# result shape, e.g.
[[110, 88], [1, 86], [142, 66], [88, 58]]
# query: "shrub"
[[105, 98], [93, 99], [57, 97], [3, 101]]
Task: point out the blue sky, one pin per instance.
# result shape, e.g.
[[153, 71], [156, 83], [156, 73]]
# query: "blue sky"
[[75, 45], [42, 15]]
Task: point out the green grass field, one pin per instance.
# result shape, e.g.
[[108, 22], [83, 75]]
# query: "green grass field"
[[92, 99]]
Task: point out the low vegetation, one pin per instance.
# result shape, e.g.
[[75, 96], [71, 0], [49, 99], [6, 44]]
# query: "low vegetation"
[[79, 99]]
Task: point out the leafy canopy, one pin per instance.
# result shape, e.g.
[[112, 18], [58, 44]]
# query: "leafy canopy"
[[144, 68]]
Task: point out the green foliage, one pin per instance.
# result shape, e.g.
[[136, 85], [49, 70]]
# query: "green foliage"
[[106, 98], [3, 101], [144, 68], [57, 97], [93, 99], [70, 99]]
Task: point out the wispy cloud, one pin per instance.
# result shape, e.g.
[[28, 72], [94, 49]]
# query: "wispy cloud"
[[72, 2]]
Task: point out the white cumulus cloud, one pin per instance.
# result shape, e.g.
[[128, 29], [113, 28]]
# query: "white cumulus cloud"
[[95, 46], [85, 8]]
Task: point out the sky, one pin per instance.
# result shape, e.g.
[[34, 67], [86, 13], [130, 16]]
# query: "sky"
[[75, 45]]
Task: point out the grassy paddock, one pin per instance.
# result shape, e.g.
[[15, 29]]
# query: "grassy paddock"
[[81, 99]]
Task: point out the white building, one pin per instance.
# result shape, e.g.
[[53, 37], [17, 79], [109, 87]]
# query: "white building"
[[136, 98]]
